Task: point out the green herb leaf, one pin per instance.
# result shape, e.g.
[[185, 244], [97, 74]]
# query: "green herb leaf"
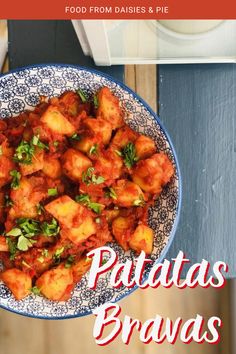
[[29, 227], [129, 155], [85, 200], [58, 253], [97, 179], [16, 176], [112, 193], [82, 95], [14, 232], [36, 142], [52, 192], [24, 153], [94, 149], [12, 246], [40, 209], [75, 136], [8, 201], [139, 202], [45, 252], [56, 143], [86, 176], [40, 259], [35, 290], [70, 261], [95, 102], [50, 229], [119, 153], [23, 243]]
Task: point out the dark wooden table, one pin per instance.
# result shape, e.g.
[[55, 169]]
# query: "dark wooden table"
[[197, 104]]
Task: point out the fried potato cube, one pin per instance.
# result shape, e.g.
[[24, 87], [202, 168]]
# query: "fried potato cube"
[[56, 284], [80, 268], [100, 127], [124, 136], [153, 173], [145, 147], [3, 244], [70, 102], [6, 165], [17, 281], [35, 165], [109, 108], [127, 193], [122, 227], [111, 214], [142, 239], [85, 144], [66, 211], [57, 122], [80, 233], [109, 165], [74, 163], [52, 167], [26, 198]]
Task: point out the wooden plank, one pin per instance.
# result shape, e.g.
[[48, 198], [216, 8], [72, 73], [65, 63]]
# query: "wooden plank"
[[197, 106]]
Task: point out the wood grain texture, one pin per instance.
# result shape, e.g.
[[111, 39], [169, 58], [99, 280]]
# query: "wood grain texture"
[[197, 106]]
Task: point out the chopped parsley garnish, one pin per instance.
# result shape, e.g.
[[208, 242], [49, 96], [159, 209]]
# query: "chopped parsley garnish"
[[94, 149], [112, 193], [95, 102], [56, 143], [52, 192], [129, 155], [8, 201], [25, 150], [50, 229], [27, 228], [89, 177], [16, 176], [12, 247], [82, 95], [40, 209], [35, 290], [85, 200], [45, 252], [70, 261], [75, 136], [57, 254], [139, 202]]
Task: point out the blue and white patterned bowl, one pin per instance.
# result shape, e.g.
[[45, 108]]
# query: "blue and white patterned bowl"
[[20, 90]]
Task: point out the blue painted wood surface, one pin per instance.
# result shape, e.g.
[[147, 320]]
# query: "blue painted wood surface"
[[35, 42], [197, 104]]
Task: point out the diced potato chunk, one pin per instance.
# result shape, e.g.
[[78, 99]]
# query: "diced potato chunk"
[[6, 165], [109, 108], [26, 198], [153, 173], [85, 144], [100, 127], [122, 228], [74, 164], [52, 167], [35, 165], [18, 282], [70, 103], [57, 122], [142, 239], [128, 194], [80, 233], [56, 284], [124, 136], [145, 147], [3, 244], [66, 211], [109, 165], [80, 268]]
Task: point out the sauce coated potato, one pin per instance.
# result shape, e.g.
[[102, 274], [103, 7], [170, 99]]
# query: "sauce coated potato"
[[109, 108], [57, 122], [18, 282], [56, 284], [122, 228], [153, 173], [36, 164], [145, 147], [51, 167], [142, 239], [74, 163], [128, 193]]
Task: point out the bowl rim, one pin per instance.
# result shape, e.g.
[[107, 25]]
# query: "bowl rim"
[[166, 134]]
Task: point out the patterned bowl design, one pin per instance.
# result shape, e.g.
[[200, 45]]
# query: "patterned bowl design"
[[20, 90]]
